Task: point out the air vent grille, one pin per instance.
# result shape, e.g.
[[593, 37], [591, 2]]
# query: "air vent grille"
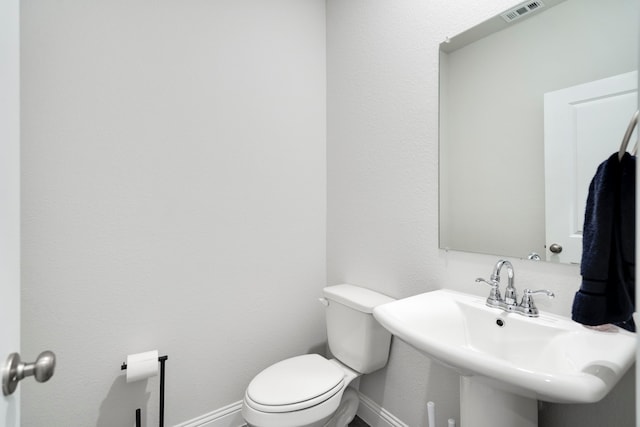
[[522, 10]]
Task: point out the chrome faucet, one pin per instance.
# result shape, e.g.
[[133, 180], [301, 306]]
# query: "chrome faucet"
[[510, 301], [510, 295]]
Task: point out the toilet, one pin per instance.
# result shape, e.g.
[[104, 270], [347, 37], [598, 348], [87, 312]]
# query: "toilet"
[[311, 390]]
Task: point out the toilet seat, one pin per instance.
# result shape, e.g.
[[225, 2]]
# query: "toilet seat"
[[295, 384]]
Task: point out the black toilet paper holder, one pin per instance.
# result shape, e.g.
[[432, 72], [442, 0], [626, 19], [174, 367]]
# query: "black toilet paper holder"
[[161, 359]]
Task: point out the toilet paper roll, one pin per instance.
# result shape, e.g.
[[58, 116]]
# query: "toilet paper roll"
[[142, 365]]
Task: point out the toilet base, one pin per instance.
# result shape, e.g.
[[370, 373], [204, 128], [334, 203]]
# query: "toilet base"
[[346, 412]]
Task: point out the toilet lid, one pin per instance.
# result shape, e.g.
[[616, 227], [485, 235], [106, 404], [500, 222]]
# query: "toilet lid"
[[295, 384]]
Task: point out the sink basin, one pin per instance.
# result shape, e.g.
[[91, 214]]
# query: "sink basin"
[[549, 358]]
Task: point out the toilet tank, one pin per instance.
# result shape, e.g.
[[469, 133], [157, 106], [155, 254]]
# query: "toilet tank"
[[355, 337]]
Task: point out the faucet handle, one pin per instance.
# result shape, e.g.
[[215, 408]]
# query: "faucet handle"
[[491, 283], [494, 299], [527, 305], [546, 292]]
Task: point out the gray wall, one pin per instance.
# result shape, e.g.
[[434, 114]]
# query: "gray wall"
[[382, 146], [173, 197]]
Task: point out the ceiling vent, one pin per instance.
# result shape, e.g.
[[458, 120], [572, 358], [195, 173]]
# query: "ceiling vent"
[[522, 10]]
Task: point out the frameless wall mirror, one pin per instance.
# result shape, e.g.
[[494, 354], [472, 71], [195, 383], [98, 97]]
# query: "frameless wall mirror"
[[530, 103]]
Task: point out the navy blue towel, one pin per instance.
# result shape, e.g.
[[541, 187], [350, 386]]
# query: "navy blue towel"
[[607, 292]]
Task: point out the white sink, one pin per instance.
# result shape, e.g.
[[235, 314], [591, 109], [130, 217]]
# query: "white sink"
[[549, 358]]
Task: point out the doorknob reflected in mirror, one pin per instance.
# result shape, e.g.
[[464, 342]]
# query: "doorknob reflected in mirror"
[[14, 370], [555, 248]]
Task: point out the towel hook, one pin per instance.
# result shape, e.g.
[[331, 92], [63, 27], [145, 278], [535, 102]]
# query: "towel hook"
[[627, 136]]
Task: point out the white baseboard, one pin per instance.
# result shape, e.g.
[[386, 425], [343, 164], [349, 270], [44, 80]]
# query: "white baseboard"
[[230, 416], [227, 416], [375, 415]]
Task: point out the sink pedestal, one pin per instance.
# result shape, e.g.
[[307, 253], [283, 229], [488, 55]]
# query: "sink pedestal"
[[482, 405]]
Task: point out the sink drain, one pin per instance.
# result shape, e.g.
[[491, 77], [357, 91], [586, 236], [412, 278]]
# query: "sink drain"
[[500, 322]]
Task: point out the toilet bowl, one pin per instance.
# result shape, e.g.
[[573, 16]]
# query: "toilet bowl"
[[303, 391], [311, 390]]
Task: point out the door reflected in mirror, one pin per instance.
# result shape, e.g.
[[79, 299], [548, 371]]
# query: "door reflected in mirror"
[[493, 81]]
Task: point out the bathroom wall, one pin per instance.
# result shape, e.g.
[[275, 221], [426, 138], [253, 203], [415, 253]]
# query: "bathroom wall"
[[382, 224], [173, 167]]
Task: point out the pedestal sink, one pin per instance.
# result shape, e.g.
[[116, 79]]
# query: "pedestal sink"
[[508, 361]]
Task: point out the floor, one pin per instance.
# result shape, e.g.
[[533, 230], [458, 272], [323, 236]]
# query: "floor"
[[357, 422]]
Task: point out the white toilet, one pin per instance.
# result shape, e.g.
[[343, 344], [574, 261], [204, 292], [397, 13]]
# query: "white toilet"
[[312, 391]]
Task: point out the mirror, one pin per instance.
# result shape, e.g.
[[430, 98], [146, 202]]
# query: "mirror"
[[493, 81]]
